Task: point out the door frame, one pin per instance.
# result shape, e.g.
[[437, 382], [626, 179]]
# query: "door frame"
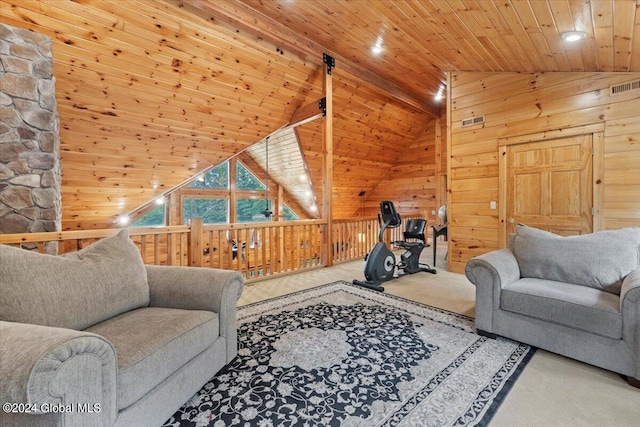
[[597, 165]]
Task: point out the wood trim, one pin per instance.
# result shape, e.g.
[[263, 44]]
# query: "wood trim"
[[552, 134], [597, 164], [502, 196]]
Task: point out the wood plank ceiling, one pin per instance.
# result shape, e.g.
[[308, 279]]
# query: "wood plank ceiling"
[[152, 92]]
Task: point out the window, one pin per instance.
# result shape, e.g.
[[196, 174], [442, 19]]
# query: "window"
[[289, 215], [212, 211], [215, 178], [250, 210], [245, 180], [153, 218]]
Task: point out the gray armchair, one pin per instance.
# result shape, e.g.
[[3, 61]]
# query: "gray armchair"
[[577, 296], [96, 338]]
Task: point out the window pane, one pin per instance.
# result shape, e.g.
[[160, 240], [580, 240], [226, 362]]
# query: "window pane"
[[217, 177], [289, 215], [245, 180], [250, 210], [212, 211], [153, 218]]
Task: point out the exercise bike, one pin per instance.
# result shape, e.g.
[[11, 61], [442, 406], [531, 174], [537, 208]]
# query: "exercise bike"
[[380, 263]]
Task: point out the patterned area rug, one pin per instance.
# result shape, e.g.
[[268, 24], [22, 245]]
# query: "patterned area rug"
[[339, 355]]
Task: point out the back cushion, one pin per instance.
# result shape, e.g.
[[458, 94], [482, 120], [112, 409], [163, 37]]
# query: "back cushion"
[[599, 260], [75, 290]]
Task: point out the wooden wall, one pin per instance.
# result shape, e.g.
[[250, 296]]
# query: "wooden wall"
[[517, 104], [152, 92], [417, 182]]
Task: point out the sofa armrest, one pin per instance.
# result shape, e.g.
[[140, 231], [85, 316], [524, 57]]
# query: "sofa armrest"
[[490, 273], [45, 367], [198, 288], [630, 308]]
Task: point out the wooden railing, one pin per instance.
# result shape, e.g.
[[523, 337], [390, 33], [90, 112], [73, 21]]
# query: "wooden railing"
[[353, 238], [157, 245], [257, 250]]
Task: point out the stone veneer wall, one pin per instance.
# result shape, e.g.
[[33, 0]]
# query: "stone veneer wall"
[[30, 176]]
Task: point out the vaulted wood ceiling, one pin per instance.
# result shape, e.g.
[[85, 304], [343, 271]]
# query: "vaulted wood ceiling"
[[151, 92]]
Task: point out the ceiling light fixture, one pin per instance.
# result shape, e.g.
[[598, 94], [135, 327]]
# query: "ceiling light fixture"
[[123, 219], [573, 36], [377, 48], [440, 95]]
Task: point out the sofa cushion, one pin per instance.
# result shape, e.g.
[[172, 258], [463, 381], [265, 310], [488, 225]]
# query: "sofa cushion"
[[599, 260], [575, 306], [153, 342], [76, 290]]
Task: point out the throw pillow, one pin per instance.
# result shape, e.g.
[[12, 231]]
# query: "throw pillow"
[[75, 290], [599, 260]]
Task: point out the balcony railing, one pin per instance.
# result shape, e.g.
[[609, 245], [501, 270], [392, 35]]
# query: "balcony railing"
[[257, 250]]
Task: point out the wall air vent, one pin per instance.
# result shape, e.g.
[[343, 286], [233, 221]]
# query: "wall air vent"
[[624, 87], [472, 121]]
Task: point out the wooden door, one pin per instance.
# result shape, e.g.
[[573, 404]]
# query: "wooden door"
[[549, 185]]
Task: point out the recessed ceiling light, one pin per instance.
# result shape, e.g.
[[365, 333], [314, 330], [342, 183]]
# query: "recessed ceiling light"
[[440, 95], [376, 49], [573, 36]]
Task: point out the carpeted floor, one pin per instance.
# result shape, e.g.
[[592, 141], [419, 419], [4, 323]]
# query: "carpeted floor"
[[553, 391], [342, 355]]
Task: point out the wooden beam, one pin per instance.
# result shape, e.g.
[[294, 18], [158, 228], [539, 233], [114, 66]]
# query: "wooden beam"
[[305, 113], [440, 185], [233, 199], [254, 23], [279, 208], [327, 151], [195, 242], [450, 212]]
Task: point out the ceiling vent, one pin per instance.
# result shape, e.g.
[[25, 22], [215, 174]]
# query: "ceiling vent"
[[624, 87], [472, 121]]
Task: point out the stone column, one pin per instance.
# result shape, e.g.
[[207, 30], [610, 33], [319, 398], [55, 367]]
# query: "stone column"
[[30, 176]]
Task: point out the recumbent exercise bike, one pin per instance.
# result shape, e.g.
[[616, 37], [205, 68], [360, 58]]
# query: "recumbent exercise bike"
[[380, 263]]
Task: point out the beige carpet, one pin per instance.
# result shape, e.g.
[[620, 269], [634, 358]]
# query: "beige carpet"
[[552, 390]]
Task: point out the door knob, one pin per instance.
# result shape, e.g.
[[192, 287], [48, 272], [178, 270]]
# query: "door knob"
[[511, 221]]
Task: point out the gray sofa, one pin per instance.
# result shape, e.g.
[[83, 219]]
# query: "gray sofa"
[[578, 296], [96, 338]]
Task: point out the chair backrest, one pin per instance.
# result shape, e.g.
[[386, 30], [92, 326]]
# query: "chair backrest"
[[415, 229]]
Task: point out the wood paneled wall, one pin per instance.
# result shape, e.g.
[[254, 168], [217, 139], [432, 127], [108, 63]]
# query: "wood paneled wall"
[[411, 183], [151, 93], [517, 104]]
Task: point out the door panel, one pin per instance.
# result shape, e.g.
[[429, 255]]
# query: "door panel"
[[549, 185], [527, 194]]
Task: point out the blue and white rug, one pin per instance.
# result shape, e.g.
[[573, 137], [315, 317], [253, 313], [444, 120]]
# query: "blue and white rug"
[[340, 355]]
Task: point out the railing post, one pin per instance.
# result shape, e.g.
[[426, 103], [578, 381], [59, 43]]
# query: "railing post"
[[195, 242]]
